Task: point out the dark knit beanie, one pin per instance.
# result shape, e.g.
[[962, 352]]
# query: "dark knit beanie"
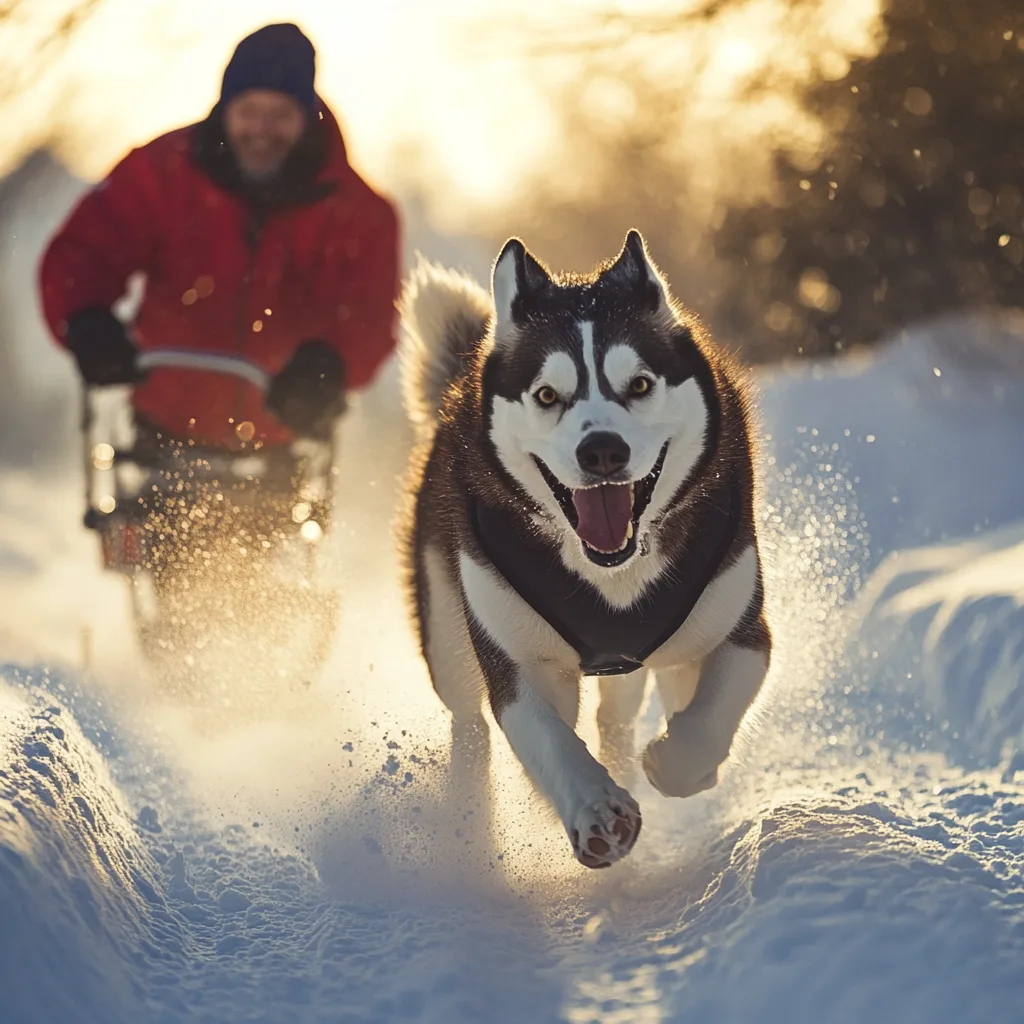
[[276, 57]]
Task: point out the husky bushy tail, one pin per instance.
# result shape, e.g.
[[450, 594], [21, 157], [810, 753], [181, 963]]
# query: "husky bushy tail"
[[445, 315]]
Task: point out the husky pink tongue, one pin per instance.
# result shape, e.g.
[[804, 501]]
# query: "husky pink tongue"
[[604, 515]]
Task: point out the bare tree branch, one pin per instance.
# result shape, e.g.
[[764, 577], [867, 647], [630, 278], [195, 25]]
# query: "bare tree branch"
[[46, 45], [600, 31]]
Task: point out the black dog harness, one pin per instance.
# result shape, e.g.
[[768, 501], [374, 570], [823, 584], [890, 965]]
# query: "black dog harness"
[[609, 641]]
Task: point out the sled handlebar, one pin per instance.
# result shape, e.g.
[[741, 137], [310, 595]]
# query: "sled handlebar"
[[208, 362]]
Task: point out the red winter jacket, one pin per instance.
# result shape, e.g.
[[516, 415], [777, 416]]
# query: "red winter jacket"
[[323, 267]]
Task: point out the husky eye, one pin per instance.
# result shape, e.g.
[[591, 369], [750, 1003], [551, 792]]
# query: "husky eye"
[[545, 396], [640, 385]]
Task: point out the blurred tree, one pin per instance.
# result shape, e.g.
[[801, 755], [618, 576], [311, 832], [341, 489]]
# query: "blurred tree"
[[910, 203], [35, 416], [39, 30], [916, 206], [38, 393]]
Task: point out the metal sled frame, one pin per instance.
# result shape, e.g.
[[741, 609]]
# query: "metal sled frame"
[[121, 475]]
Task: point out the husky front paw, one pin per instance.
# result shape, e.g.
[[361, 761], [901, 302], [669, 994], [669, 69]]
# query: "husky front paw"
[[604, 827], [684, 760]]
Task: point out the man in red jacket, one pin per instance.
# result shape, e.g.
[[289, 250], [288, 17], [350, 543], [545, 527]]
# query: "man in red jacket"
[[256, 238]]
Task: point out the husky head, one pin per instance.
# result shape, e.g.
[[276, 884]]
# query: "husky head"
[[597, 395]]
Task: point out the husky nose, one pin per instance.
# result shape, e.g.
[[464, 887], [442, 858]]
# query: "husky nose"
[[602, 453]]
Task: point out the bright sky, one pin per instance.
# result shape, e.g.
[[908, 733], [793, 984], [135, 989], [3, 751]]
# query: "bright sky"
[[394, 70], [442, 77]]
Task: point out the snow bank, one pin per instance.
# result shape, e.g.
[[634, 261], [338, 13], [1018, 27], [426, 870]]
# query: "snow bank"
[[941, 649], [927, 428], [78, 891]]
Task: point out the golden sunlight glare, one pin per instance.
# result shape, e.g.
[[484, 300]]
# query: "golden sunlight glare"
[[438, 97]]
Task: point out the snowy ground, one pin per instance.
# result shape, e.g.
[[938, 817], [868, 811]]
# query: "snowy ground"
[[862, 858]]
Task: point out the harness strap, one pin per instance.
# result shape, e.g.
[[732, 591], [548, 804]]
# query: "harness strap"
[[608, 641]]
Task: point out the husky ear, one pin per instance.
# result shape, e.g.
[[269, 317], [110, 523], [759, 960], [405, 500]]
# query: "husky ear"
[[516, 274], [633, 268]]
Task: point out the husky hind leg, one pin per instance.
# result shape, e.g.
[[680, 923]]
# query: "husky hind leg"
[[677, 686], [455, 674], [621, 698]]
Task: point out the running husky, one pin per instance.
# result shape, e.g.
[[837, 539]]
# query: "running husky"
[[582, 503]]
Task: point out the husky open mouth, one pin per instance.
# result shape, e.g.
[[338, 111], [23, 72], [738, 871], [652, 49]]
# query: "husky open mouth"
[[606, 517]]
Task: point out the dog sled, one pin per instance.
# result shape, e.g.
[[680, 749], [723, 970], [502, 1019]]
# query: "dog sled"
[[222, 550]]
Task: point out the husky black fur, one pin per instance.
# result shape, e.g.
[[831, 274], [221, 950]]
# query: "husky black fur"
[[582, 502]]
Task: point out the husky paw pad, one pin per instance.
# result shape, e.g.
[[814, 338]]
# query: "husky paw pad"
[[606, 829]]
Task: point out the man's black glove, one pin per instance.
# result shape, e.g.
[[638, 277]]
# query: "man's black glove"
[[308, 395], [100, 345]]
